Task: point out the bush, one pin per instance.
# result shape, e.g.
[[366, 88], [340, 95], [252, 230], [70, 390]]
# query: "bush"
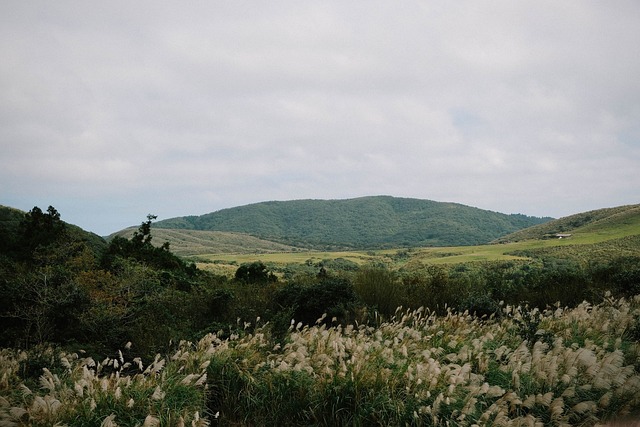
[[379, 289], [480, 305], [334, 297], [254, 273]]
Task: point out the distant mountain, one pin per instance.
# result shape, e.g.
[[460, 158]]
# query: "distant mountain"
[[616, 221], [366, 222]]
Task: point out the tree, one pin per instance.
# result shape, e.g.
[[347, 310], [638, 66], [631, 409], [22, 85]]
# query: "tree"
[[139, 248], [142, 237], [39, 229], [254, 273]]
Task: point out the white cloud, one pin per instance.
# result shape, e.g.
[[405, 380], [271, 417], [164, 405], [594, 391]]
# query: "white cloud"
[[111, 110]]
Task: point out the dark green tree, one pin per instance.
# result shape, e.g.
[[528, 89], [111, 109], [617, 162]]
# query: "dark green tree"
[[139, 248], [254, 273], [39, 229], [322, 302]]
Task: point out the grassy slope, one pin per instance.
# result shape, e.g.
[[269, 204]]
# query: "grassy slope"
[[366, 222], [620, 220], [188, 243]]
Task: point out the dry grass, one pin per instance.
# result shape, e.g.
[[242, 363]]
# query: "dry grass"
[[416, 369]]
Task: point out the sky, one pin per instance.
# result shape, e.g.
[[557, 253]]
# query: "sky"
[[112, 110]]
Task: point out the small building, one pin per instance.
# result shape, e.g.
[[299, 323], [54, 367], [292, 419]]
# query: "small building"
[[563, 235]]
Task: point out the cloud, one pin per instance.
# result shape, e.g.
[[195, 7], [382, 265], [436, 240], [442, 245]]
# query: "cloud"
[[112, 110]]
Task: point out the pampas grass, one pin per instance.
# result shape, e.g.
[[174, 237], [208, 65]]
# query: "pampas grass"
[[415, 369]]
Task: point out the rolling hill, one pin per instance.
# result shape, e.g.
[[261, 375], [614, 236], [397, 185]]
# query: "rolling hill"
[[363, 223]]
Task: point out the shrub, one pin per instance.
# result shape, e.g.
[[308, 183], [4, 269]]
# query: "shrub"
[[380, 289], [254, 273], [306, 303], [481, 305]]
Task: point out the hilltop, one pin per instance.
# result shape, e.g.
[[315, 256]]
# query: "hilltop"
[[368, 222]]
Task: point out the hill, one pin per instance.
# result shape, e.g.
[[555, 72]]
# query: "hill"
[[10, 219], [367, 222], [614, 222]]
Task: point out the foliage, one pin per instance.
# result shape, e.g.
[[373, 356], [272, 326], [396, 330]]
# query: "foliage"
[[255, 273], [480, 305], [60, 290], [10, 220], [327, 300], [379, 288], [39, 229]]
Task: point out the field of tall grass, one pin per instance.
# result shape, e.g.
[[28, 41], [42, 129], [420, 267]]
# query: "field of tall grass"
[[525, 367]]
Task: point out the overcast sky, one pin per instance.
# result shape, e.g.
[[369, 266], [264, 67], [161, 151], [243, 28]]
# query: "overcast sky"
[[110, 110]]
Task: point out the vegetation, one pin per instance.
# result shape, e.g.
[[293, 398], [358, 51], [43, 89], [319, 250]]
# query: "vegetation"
[[367, 222], [55, 286], [415, 369], [505, 338]]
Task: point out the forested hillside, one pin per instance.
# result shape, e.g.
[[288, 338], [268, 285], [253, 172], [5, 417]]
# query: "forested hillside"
[[366, 222]]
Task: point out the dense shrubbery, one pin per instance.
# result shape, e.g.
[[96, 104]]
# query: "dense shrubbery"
[[327, 301], [55, 287]]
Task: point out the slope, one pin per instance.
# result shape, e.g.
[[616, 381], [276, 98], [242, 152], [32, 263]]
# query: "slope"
[[187, 243]]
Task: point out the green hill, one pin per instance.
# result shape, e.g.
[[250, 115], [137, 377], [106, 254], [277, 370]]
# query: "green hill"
[[613, 222], [366, 222], [10, 219]]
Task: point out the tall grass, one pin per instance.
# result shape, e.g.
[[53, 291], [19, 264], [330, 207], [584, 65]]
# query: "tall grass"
[[79, 391], [579, 366]]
